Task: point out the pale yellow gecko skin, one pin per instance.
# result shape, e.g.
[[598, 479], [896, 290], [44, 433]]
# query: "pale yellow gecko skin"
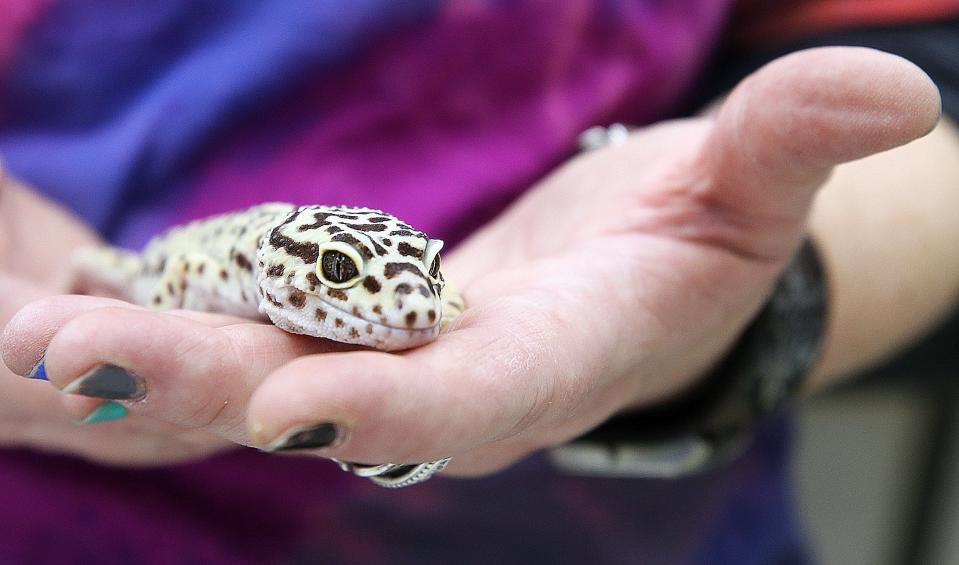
[[354, 275]]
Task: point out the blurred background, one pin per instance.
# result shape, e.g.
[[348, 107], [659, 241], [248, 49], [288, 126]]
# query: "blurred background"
[[877, 465]]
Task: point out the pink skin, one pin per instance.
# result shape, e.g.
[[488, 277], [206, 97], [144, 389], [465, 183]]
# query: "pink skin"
[[616, 282]]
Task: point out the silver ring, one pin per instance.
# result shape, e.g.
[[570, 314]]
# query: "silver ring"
[[598, 137], [392, 475]]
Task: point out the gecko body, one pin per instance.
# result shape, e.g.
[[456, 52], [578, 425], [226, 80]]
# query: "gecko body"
[[354, 275]]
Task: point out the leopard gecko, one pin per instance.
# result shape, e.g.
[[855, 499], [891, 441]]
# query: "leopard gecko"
[[354, 275]]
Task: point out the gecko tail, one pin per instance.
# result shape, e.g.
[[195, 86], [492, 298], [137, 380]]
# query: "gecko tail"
[[105, 271]]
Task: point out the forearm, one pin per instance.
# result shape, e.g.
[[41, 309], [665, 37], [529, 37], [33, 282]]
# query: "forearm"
[[888, 231]]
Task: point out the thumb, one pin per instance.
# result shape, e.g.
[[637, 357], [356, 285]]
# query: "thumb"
[[781, 131]]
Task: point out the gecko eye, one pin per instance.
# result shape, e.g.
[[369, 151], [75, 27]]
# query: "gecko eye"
[[431, 258], [340, 265]]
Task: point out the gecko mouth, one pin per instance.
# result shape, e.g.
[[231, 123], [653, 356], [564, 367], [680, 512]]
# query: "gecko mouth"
[[309, 314], [349, 316]]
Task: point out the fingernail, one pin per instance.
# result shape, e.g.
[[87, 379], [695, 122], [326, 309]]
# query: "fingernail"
[[306, 437], [108, 381], [39, 372], [106, 412]]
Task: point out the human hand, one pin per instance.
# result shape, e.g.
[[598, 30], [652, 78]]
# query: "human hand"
[[36, 239], [616, 283]]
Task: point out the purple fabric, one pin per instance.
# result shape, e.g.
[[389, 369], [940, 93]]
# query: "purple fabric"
[[443, 126], [146, 114], [249, 507]]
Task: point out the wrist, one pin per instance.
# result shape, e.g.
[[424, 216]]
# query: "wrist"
[[712, 422]]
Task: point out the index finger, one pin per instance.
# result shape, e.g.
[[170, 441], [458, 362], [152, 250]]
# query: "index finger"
[[181, 368]]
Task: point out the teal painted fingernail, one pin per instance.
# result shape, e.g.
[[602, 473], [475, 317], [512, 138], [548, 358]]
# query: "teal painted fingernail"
[[109, 382], [39, 372], [107, 412]]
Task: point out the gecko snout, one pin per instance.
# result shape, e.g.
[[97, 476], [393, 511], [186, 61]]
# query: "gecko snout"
[[416, 306]]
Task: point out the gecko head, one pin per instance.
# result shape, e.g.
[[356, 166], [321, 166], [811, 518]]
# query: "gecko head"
[[354, 275]]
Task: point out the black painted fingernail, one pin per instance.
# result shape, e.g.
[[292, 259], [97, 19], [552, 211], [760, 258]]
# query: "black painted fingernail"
[[307, 437], [39, 371], [108, 381]]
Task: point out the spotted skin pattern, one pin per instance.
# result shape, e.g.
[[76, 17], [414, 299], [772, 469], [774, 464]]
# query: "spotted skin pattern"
[[354, 275]]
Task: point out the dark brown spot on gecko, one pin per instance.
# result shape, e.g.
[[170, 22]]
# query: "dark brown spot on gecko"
[[431, 314], [411, 319], [377, 309], [380, 250], [297, 298], [223, 274], [371, 284], [387, 241], [354, 333], [292, 217], [425, 292], [243, 263], [332, 230], [320, 315], [369, 328], [347, 238], [275, 271], [320, 218], [308, 252], [409, 233], [157, 299], [337, 293], [367, 227], [169, 288], [313, 280], [338, 323], [186, 265], [408, 250], [403, 288], [379, 219], [200, 268], [393, 269]]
